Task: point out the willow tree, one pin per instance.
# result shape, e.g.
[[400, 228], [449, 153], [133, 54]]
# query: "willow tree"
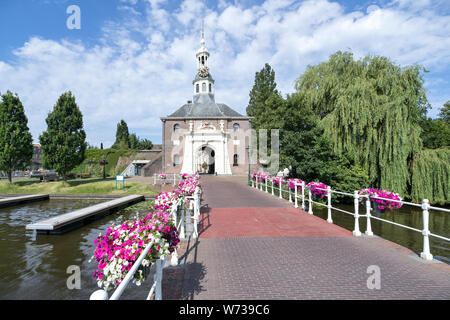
[[369, 110], [431, 175]]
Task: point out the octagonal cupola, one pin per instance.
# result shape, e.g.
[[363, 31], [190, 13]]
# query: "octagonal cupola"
[[203, 82]]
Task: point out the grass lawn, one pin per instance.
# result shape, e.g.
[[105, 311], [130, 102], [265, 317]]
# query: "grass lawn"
[[81, 186]]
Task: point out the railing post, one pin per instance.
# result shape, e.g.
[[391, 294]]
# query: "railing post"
[[261, 186], [157, 279], [253, 183], [295, 196], [154, 179], [329, 220], [189, 218], [99, 295], [272, 188], [426, 254], [279, 186], [303, 195], [369, 225], [290, 196], [196, 215], [356, 231], [266, 184], [182, 235], [174, 181], [310, 211]]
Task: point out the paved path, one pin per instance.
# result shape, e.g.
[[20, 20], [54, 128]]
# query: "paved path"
[[253, 245]]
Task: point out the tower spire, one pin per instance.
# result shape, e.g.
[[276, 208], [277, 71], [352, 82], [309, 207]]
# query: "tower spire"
[[203, 82], [203, 33]]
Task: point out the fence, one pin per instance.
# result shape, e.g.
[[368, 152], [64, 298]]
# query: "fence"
[[186, 224], [300, 195], [170, 178]]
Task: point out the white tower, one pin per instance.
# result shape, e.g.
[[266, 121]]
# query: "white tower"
[[203, 82]]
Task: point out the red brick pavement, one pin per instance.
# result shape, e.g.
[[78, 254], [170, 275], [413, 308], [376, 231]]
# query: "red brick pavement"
[[253, 245], [264, 222]]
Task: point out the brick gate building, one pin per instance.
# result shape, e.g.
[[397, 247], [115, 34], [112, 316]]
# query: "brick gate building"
[[203, 136]]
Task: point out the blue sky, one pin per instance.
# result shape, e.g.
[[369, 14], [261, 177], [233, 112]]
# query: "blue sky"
[[135, 59]]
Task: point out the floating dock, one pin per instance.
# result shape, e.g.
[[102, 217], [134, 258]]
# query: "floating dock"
[[12, 201], [78, 218]]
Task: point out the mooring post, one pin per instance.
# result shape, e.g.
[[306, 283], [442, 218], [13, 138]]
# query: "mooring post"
[[368, 225], [426, 254], [310, 211], [295, 196], [356, 231], [329, 220]]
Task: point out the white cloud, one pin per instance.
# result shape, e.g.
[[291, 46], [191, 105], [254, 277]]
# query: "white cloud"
[[141, 81]]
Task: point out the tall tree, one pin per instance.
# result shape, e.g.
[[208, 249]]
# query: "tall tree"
[[133, 141], [63, 143], [16, 143], [444, 112], [263, 88], [370, 110], [122, 136]]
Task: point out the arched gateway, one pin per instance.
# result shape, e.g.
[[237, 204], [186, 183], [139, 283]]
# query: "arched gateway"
[[204, 131]]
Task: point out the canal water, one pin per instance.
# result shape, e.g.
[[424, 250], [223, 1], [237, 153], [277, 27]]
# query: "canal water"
[[34, 266], [407, 215]]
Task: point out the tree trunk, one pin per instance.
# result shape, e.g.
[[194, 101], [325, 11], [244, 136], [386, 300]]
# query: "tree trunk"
[[10, 176]]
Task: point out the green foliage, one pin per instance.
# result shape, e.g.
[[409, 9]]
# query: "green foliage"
[[16, 143], [370, 110], [95, 155], [435, 133], [63, 143], [444, 113], [144, 144], [431, 176], [122, 136], [125, 140], [263, 89]]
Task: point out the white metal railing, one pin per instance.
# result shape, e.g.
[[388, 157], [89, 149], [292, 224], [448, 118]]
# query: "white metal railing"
[[185, 222], [425, 206], [171, 178]]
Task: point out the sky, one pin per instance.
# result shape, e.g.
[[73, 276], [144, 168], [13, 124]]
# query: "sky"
[[135, 59]]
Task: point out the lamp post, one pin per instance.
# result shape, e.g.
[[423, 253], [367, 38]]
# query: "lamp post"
[[103, 163], [248, 159]]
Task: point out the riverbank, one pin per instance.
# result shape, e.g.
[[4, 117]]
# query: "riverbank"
[[92, 186]]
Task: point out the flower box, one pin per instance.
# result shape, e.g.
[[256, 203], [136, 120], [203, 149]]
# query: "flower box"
[[318, 189], [380, 205]]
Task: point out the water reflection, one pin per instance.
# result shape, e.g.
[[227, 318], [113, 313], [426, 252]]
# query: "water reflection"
[[34, 266]]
